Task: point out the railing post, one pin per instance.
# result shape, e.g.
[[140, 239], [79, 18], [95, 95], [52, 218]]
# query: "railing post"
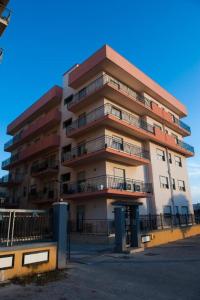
[[60, 223]]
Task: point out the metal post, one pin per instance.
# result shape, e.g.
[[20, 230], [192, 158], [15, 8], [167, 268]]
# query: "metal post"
[[60, 223], [135, 227], [120, 234]]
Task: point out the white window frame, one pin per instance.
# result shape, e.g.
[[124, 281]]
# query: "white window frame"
[[161, 155], [164, 182]]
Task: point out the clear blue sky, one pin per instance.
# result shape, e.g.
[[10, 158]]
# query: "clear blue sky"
[[45, 38]]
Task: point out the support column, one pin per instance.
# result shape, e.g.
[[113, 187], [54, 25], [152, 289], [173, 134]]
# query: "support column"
[[120, 233], [60, 223], [135, 226]]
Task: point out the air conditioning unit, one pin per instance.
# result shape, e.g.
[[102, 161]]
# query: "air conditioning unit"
[[137, 188]]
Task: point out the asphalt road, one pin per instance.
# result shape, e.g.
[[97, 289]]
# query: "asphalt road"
[[168, 272]]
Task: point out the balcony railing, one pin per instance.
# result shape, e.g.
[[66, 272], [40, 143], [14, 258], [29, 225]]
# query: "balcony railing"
[[105, 142], [101, 183], [108, 109], [15, 178], [45, 165], [6, 13], [44, 195], [36, 126], [13, 140], [181, 124], [10, 160], [100, 82], [106, 79], [185, 146]]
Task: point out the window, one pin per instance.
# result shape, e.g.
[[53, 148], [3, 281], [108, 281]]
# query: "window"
[[68, 99], [175, 137], [157, 126], [82, 148], [117, 143], [167, 210], [173, 184], [65, 177], [160, 154], [181, 185], [82, 120], [67, 123], [164, 183], [170, 158], [81, 176], [82, 93], [116, 112], [178, 161], [66, 150]]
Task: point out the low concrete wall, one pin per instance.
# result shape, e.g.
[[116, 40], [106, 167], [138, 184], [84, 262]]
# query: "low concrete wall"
[[27, 259], [170, 235]]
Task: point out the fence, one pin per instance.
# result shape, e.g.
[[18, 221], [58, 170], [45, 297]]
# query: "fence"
[[93, 226], [147, 223], [18, 226]]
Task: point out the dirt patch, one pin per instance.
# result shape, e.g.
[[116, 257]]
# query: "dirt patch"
[[41, 278]]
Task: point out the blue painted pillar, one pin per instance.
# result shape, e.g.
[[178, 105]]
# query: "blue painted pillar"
[[60, 223], [120, 232], [135, 226]]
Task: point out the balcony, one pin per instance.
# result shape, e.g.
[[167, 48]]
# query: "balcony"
[[49, 101], [108, 115], [107, 186], [115, 90], [170, 120], [45, 168], [10, 161], [106, 147], [5, 15], [44, 123], [129, 124], [44, 145], [11, 180], [174, 143], [44, 196]]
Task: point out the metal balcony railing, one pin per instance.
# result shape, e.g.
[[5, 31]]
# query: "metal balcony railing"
[[100, 82], [6, 13], [45, 165], [109, 109], [100, 183], [11, 178], [13, 140], [10, 160], [104, 142], [181, 124], [45, 194], [185, 146], [106, 79]]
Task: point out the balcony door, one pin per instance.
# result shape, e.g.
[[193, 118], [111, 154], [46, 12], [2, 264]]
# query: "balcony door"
[[119, 180], [117, 143]]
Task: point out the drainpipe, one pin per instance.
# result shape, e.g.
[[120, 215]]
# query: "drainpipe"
[[170, 182], [170, 179]]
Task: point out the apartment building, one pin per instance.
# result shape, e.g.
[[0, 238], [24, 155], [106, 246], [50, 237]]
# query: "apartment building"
[[118, 138], [5, 15], [34, 163]]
